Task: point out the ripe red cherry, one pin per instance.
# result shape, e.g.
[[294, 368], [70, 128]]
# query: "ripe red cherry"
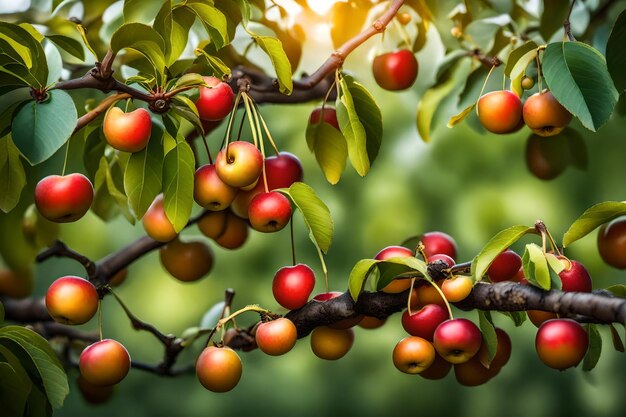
[[505, 266], [574, 277], [441, 257], [424, 322], [276, 337], [330, 116], [561, 343], [282, 170], [395, 70], [612, 243], [544, 115], [216, 102], [397, 285], [438, 242], [457, 340], [500, 111], [293, 285], [104, 363], [209, 191], [128, 132], [269, 212], [63, 199]]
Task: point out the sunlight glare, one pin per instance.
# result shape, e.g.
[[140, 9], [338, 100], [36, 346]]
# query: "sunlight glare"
[[321, 7]]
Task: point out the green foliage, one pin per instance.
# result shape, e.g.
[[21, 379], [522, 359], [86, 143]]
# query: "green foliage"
[[490, 338], [615, 57], [12, 176], [385, 271], [595, 348], [592, 218], [329, 147], [178, 171]]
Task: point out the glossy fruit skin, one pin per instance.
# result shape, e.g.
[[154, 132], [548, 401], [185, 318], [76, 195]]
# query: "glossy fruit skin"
[[104, 363], [209, 191], [17, 284], [538, 317], [276, 337], [426, 293], [575, 277], [242, 167], [269, 212], [413, 355], [119, 277], [395, 71], [213, 223], [441, 257], [215, 103], [292, 285], [187, 261], [282, 170], [94, 394], [457, 340], [612, 243], [457, 288], [235, 232], [397, 285], [439, 242], [546, 158], [561, 343], [72, 300], [331, 344], [544, 115], [341, 324], [438, 369], [370, 322], [218, 369], [503, 352], [155, 222], [500, 111], [505, 266], [64, 199], [127, 132], [423, 323], [330, 116], [527, 82]]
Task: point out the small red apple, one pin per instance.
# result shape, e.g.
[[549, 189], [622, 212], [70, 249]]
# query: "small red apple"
[[575, 276], [396, 285], [438, 242], [612, 243], [413, 355], [269, 212], [104, 363], [457, 340], [218, 369], [72, 300], [505, 266], [293, 285], [276, 337], [64, 199], [215, 101], [209, 191], [329, 116], [500, 111], [242, 166], [424, 322], [395, 70], [544, 115], [128, 132], [561, 343]]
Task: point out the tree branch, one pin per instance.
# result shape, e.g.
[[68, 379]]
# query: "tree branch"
[[88, 117]]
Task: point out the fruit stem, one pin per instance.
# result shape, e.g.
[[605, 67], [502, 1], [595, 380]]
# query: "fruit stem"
[[253, 126], [539, 76], [403, 34], [67, 152], [445, 300], [231, 118], [255, 114], [420, 248], [484, 85], [206, 146], [220, 324], [243, 117], [293, 244], [408, 301], [267, 131], [543, 229], [126, 105], [330, 89], [100, 318]]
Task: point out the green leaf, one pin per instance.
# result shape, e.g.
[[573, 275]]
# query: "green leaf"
[[69, 45], [274, 49], [579, 79], [496, 245], [38, 404], [29, 49], [595, 348], [330, 149], [518, 70], [178, 174], [619, 290], [13, 393], [39, 360], [314, 212], [142, 11], [369, 115], [490, 338], [1, 312], [553, 16], [482, 32], [212, 316], [143, 39], [618, 344], [142, 178], [12, 176], [187, 109], [535, 266], [190, 79], [455, 120], [517, 317], [393, 267], [352, 128], [104, 205], [214, 22], [516, 54], [114, 184], [615, 57], [593, 217], [40, 129], [173, 25], [359, 275], [220, 69], [93, 149]]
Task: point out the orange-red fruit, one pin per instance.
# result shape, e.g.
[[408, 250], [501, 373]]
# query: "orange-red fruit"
[[413, 355], [276, 337], [612, 243], [16, 284], [395, 70], [269, 212], [104, 363], [156, 223], [438, 370], [242, 166], [218, 369], [500, 111], [457, 288], [544, 115], [438, 243], [235, 232], [72, 300], [64, 199], [213, 223], [93, 394], [187, 261], [128, 132], [561, 343], [209, 191], [331, 344], [538, 317], [457, 340], [215, 101], [370, 322]]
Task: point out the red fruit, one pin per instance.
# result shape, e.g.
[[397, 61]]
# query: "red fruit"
[[457, 340], [276, 337], [156, 223], [561, 343], [282, 170], [398, 285], [218, 369], [574, 277], [104, 363], [424, 322], [330, 116], [209, 191], [293, 285], [128, 132], [330, 343], [505, 266], [269, 212], [441, 257], [72, 300], [544, 115], [216, 102], [63, 199], [500, 111], [612, 243], [243, 165], [235, 232], [395, 70], [438, 242], [438, 369], [413, 355]]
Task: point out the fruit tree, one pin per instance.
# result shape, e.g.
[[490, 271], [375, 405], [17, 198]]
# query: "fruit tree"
[[182, 200]]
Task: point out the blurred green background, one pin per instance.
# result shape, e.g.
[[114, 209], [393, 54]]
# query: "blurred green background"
[[468, 184]]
